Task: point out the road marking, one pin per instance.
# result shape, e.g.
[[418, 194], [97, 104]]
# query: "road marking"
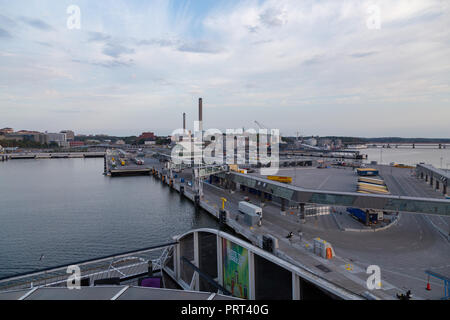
[[407, 276], [445, 222], [28, 293], [323, 183], [120, 293]]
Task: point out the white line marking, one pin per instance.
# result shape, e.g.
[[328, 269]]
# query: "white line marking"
[[323, 183], [118, 294], [28, 293], [211, 296]]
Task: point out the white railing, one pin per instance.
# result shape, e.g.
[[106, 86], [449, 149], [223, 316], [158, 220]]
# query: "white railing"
[[124, 266]]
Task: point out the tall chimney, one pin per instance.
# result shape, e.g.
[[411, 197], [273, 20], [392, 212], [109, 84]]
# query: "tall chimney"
[[200, 113], [184, 121]]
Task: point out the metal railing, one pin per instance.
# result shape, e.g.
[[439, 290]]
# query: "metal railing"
[[126, 265]]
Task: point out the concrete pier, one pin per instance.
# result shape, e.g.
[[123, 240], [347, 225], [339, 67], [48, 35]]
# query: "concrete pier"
[[297, 250], [55, 155]]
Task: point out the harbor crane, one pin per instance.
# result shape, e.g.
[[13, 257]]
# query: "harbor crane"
[[260, 125], [269, 132]]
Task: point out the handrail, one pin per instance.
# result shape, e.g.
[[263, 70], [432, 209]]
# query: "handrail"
[[96, 260]]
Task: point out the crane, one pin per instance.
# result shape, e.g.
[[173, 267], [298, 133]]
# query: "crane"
[[261, 126]]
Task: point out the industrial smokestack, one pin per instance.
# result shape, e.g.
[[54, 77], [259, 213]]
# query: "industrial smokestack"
[[184, 121], [200, 113]]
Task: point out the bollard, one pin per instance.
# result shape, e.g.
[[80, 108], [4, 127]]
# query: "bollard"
[[222, 217], [197, 200]]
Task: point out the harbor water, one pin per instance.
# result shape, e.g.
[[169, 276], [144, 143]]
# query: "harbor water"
[[59, 211], [440, 158]]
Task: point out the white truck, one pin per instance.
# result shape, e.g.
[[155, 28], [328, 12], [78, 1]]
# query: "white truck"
[[252, 213], [249, 208]]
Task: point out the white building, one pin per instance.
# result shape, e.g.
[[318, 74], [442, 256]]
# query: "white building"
[[70, 135], [58, 138], [311, 142]]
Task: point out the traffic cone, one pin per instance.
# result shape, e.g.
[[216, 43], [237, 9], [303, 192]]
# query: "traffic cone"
[[428, 286], [329, 254]]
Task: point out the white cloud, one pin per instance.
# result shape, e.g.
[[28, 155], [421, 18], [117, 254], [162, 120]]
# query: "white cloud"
[[276, 55]]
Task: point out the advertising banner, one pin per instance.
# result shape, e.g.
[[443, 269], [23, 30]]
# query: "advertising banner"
[[235, 269]]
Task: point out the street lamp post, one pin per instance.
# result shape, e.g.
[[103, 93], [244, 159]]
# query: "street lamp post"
[[381, 155]]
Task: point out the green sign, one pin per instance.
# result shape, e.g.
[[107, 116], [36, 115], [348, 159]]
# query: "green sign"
[[235, 269]]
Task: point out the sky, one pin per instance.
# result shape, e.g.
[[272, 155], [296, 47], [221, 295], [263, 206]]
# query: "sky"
[[345, 68]]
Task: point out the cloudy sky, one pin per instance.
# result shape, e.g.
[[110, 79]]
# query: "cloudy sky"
[[316, 67]]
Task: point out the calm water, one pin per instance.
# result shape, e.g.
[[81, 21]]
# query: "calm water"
[[68, 211], [410, 156]]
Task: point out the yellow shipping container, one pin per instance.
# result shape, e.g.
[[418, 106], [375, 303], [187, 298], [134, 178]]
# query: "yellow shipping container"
[[280, 179], [400, 165]]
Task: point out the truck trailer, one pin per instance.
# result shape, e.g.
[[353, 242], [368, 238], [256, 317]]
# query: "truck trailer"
[[249, 208], [361, 215], [367, 172]]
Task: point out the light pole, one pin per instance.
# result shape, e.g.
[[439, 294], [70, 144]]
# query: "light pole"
[[381, 155], [295, 163]]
